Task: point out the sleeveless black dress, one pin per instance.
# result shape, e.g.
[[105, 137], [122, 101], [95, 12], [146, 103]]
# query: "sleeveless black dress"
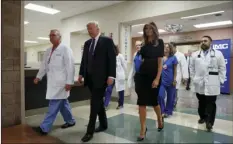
[[148, 96]]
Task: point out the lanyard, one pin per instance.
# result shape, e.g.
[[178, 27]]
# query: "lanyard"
[[51, 55]]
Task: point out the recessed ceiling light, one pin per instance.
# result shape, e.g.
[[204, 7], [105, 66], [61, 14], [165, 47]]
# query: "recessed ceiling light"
[[217, 12], [160, 31], [43, 38], [42, 9], [27, 41], [137, 25], [26, 22], [220, 23]]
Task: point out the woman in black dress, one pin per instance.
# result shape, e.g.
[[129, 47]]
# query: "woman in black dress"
[[147, 81]]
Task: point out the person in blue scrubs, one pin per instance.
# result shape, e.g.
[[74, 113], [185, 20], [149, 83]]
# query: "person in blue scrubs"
[[168, 81], [119, 82]]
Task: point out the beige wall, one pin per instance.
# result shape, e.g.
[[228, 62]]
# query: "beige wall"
[[223, 33], [11, 69]]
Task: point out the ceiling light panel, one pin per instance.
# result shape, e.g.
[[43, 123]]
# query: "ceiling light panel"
[[138, 25], [27, 41], [43, 38], [213, 24], [160, 31], [42, 9], [205, 14], [26, 22]]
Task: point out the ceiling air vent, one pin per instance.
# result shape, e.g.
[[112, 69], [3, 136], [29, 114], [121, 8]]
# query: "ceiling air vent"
[[219, 14]]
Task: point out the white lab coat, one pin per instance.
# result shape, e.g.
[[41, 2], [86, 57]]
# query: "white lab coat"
[[60, 71], [132, 72], [121, 69], [204, 83], [182, 69]]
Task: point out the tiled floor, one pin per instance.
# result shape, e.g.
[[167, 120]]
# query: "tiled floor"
[[124, 126]]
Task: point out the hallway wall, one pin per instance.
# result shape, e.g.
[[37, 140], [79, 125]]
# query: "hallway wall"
[[10, 60]]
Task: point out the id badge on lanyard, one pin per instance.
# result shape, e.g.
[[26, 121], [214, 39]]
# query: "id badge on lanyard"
[[50, 55]]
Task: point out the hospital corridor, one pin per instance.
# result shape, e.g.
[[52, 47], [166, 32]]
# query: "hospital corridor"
[[117, 72]]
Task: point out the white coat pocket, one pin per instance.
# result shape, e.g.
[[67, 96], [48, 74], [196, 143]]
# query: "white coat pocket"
[[213, 80]]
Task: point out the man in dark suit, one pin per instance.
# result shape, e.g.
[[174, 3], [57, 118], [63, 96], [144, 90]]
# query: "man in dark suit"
[[98, 68]]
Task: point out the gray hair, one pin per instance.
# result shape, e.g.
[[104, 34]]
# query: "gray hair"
[[57, 31], [95, 23]]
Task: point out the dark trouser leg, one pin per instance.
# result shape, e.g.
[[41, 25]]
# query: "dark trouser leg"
[[97, 108], [201, 105], [211, 109], [121, 98], [188, 84], [102, 112]]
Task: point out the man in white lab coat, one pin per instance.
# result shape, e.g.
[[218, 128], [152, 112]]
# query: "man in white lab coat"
[[58, 65], [182, 71], [188, 58], [208, 72]]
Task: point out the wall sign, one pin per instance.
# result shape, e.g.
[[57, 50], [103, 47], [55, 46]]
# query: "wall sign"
[[225, 47], [126, 40]]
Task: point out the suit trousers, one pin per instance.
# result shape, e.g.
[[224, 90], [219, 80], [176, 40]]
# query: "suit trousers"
[[207, 107], [96, 107]]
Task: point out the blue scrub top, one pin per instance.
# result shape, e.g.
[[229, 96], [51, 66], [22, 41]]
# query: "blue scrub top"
[[168, 70]]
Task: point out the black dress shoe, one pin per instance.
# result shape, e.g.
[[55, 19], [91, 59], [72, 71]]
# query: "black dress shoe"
[[100, 129], [66, 125], [87, 137], [201, 121], [209, 127], [39, 130]]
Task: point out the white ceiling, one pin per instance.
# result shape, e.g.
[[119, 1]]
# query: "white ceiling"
[[40, 23], [188, 23]]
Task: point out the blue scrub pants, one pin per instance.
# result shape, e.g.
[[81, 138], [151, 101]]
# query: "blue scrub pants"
[[175, 98], [108, 94], [170, 90], [55, 106]]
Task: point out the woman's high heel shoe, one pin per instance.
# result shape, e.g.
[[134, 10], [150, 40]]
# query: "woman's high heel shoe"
[[142, 138], [160, 129]]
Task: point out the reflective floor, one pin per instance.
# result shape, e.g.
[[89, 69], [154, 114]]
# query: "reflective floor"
[[24, 134], [124, 126]]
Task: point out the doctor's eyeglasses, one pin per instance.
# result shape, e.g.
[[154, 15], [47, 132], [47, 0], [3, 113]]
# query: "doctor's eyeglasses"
[[52, 35]]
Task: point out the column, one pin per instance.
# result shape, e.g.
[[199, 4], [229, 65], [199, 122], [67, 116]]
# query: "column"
[[12, 64]]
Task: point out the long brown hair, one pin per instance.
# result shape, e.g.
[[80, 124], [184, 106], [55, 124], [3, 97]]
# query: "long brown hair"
[[170, 46], [155, 33]]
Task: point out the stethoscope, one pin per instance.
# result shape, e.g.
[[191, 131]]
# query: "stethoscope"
[[212, 54]]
